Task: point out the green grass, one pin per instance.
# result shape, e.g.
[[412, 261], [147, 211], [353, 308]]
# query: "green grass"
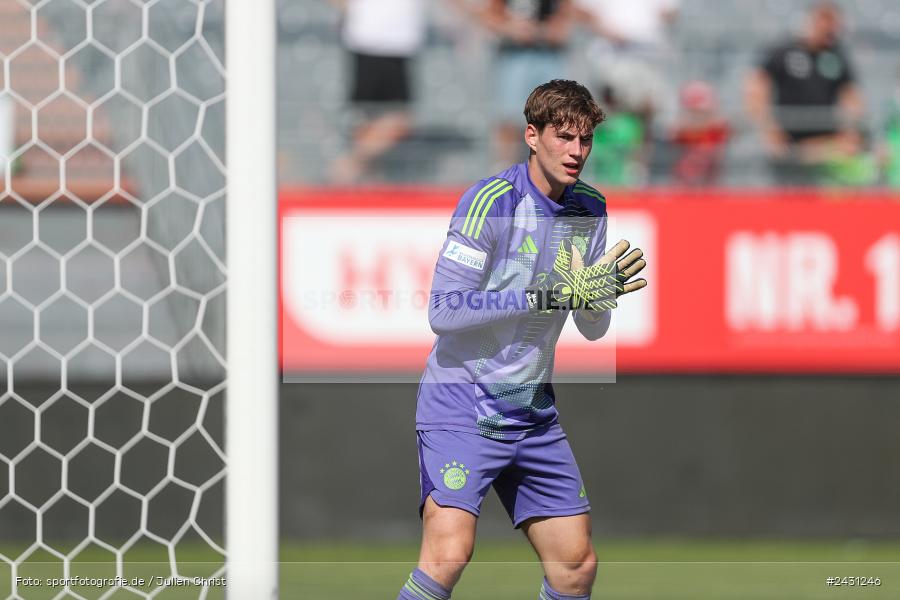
[[651, 569]]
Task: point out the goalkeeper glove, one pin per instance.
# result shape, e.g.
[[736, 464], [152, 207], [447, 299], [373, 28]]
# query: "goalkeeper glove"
[[571, 285]]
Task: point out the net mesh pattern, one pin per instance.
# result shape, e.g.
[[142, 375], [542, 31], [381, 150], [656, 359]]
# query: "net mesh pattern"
[[112, 291]]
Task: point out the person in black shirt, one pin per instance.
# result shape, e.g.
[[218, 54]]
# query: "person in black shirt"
[[804, 99]]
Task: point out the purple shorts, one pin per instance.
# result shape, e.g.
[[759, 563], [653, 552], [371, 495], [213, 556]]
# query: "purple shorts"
[[534, 477]]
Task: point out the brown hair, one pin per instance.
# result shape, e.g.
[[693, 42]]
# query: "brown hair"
[[563, 103]]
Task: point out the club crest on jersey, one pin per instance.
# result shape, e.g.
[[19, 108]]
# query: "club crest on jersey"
[[580, 242], [466, 256], [454, 475]]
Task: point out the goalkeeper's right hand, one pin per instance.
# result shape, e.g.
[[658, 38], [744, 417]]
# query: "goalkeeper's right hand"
[[571, 285]]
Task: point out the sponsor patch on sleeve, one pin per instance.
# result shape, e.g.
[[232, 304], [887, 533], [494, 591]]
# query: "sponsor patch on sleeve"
[[466, 256]]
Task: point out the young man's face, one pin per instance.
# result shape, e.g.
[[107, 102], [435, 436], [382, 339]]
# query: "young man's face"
[[560, 153]]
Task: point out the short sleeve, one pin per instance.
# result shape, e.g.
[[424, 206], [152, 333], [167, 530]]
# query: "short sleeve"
[[848, 73], [771, 61]]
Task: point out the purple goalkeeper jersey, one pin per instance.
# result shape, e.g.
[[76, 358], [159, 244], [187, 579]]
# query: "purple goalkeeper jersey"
[[490, 368]]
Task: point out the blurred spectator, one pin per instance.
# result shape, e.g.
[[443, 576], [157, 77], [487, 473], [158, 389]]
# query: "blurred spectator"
[[616, 159], [858, 167], [629, 49], [891, 148], [533, 35], [700, 132], [382, 37], [804, 99]]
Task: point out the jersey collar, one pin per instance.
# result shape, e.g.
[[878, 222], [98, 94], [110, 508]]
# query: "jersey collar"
[[539, 196]]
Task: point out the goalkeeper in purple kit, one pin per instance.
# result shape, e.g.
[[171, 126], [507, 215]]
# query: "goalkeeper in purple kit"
[[525, 249]]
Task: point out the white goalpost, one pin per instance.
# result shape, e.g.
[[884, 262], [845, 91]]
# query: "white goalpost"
[[251, 531]]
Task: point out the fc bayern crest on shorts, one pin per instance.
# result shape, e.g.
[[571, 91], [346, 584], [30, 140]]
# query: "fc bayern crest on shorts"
[[534, 477], [454, 475]]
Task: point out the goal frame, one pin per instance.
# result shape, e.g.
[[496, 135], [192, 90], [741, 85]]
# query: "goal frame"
[[251, 428]]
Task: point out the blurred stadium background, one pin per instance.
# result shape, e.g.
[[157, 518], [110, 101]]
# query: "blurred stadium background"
[[750, 423]]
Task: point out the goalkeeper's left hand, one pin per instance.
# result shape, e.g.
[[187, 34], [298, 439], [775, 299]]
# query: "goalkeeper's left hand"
[[571, 285], [625, 268]]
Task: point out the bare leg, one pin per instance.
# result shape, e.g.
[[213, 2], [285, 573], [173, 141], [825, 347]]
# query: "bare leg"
[[564, 546], [371, 140], [448, 540]]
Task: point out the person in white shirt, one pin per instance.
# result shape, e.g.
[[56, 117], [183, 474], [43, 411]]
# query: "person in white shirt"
[[634, 23], [382, 38], [630, 48]]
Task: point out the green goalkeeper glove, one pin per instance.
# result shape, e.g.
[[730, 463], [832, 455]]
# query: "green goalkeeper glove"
[[571, 285]]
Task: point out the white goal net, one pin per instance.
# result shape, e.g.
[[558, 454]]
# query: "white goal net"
[[112, 298]]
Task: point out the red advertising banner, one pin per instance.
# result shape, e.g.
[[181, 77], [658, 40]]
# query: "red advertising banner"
[[738, 281]]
